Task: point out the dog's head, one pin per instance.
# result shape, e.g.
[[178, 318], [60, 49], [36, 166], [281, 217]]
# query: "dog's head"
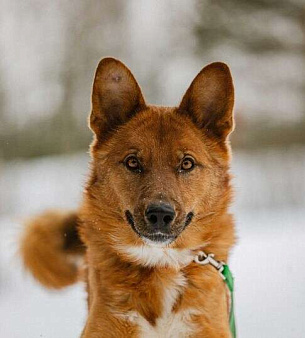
[[159, 174]]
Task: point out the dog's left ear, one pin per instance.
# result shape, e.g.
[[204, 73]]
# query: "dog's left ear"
[[209, 101]]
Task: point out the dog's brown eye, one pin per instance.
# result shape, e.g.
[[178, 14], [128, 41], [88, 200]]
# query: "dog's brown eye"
[[187, 164], [132, 164]]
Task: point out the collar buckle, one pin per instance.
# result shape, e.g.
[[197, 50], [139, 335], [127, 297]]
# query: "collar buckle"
[[203, 259]]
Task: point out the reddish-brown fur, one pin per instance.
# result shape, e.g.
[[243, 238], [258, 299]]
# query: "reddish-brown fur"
[[119, 283]]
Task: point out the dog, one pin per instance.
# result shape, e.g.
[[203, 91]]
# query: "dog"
[[157, 195]]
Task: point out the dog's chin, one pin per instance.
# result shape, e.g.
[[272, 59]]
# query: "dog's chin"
[[158, 239]]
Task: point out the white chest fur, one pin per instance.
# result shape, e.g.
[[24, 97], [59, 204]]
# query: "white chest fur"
[[169, 324]]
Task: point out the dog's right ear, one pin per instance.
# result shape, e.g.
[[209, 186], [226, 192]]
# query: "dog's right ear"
[[116, 97]]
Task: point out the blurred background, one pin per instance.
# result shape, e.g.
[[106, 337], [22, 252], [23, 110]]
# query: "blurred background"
[[49, 52]]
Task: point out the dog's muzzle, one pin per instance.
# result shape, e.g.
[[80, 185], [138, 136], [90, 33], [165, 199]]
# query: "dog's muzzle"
[[159, 220]]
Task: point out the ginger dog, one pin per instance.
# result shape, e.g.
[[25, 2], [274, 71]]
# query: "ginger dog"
[[158, 192]]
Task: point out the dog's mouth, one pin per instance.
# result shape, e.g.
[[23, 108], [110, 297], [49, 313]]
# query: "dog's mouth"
[[159, 236]]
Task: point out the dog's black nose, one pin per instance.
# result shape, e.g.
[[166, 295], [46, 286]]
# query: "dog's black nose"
[[160, 216]]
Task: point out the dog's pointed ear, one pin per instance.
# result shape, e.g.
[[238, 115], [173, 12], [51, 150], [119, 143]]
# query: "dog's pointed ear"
[[209, 101], [116, 97]]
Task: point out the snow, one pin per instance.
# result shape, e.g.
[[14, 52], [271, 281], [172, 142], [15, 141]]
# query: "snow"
[[269, 274], [267, 261]]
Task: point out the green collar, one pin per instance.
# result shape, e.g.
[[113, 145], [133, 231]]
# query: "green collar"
[[225, 273]]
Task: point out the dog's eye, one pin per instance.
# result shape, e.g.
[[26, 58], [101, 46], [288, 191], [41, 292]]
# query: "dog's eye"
[[187, 164], [133, 164]]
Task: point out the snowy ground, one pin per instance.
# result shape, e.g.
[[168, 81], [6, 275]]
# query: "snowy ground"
[[267, 262]]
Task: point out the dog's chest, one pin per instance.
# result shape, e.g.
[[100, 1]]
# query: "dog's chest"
[[170, 324]]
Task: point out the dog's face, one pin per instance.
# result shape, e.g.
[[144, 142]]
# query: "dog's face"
[[159, 173]]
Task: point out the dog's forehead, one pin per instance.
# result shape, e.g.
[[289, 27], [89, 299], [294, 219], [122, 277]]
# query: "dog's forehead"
[[161, 127]]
